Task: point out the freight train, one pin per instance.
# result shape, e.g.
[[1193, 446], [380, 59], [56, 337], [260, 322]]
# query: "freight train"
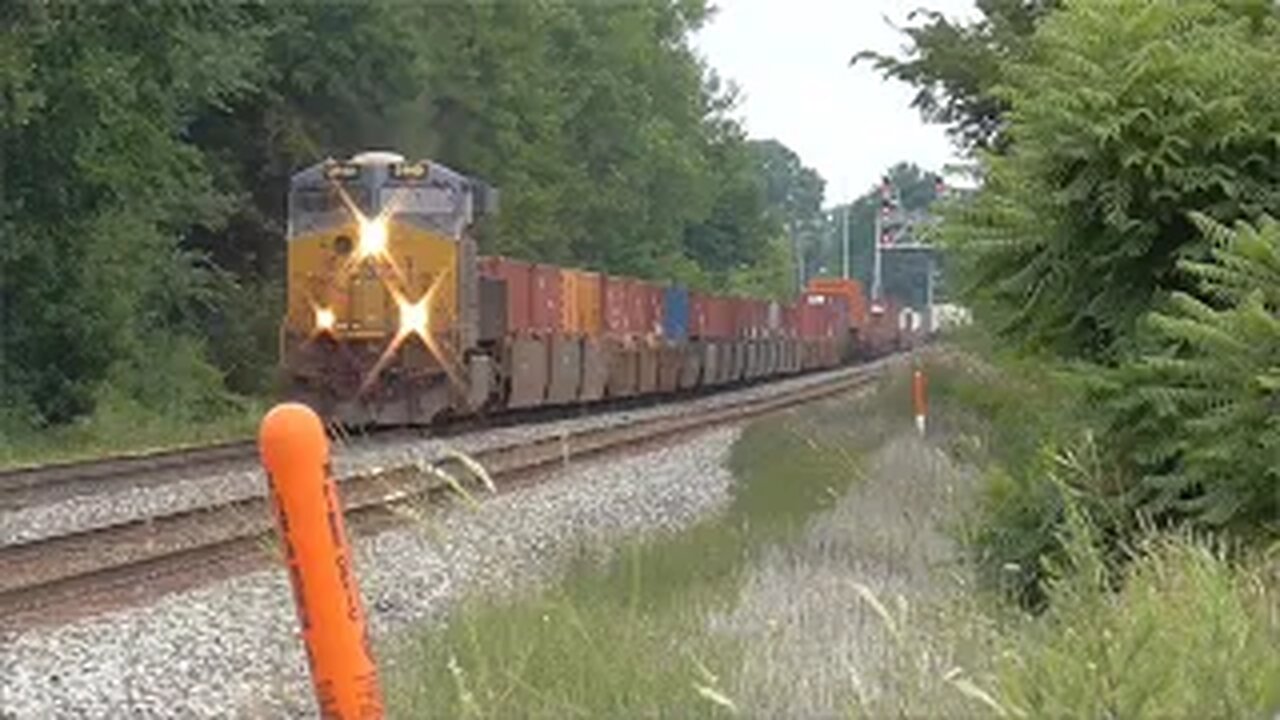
[[393, 318]]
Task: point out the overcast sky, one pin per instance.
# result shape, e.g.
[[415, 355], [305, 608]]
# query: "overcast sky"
[[790, 59]]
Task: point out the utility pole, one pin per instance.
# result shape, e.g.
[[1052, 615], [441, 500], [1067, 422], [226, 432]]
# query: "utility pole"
[[845, 256], [881, 213], [875, 269], [928, 293]]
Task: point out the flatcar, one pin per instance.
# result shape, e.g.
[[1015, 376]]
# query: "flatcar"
[[394, 318]]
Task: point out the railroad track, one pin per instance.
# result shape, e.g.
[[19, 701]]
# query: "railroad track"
[[47, 484], [44, 484], [63, 577]]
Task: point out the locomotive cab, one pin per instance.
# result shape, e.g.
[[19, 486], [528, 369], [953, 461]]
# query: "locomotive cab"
[[381, 311]]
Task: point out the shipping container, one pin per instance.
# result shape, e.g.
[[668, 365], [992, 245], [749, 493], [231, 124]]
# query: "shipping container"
[[759, 318], [817, 315], [719, 318], [654, 315], [518, 277], [749, 317], [675, 313], [637, 302], [697, 315], [581, 295], [711, 317], [644, 307], [546, 314], [788, 326], [614, 312], [570, 318], [740, 312], [773, 318]]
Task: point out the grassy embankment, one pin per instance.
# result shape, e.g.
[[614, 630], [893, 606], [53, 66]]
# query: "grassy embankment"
[[831, 585], [628, 637], [1167, 624], [125, 431]]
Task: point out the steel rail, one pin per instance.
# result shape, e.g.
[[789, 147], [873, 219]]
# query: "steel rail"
[[85, 572]]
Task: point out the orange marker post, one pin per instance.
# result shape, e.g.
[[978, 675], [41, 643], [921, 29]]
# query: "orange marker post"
[[919, 399], [295, 453]]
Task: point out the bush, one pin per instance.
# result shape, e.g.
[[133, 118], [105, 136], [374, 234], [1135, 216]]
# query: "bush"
[[1197, 418], [1024, 421], [1190, 634]]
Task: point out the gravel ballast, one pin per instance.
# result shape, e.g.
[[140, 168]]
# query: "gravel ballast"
[[355, 457], [231, 649]]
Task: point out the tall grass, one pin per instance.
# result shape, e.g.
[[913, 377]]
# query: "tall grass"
[[126, 428], [1191, 632], [627, 636], [1131, 621]]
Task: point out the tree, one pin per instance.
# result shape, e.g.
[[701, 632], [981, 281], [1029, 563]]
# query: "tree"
[[1201, 413], [793, 193], [148, 148], [1122, 119], [957, 67], [97, 181]]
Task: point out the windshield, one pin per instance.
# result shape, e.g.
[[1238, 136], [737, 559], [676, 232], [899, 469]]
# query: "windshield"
[[315, 208]]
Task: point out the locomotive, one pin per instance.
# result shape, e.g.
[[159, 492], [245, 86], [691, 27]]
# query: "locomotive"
[[393, 318]]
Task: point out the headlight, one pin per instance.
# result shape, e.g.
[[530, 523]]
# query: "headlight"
[[325, 320], [414, 317], [373, 237]]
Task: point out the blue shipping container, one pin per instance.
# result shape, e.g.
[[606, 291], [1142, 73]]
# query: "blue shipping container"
[[675, 315]]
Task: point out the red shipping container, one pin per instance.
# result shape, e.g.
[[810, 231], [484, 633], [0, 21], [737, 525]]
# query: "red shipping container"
[[697, 314], [546, 299], [840, 316], [518, 277], [614, 295], [653, 313], [637, 306], [787, 319], [759, 318], [710, 317], [724, 323], [822, 315], [738, 311], [749, 317]]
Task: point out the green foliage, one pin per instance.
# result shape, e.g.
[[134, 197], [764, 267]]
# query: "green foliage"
[[148, 145], [1122, 118], [1025, 423], [793, 194], [956, 67], [97, 179], [1204, 408], [1190, 634]]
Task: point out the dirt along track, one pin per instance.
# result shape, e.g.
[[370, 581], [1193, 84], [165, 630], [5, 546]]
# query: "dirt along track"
[[65, 577]]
